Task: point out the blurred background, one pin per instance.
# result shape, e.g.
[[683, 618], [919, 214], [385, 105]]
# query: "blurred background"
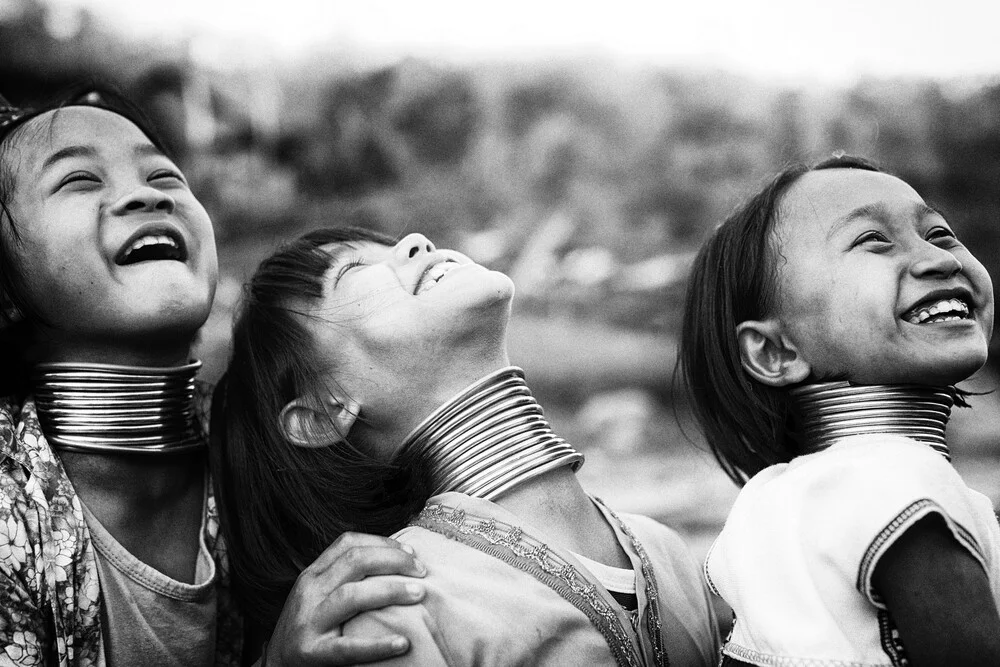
[[586, 150]]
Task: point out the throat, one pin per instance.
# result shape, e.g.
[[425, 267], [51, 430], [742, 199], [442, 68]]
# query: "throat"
[[829, 411], [112, 409], [488, 439]]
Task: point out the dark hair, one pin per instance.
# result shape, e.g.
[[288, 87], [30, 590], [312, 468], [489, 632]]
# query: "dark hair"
[[281, 505], [18, 333], [747, 424]]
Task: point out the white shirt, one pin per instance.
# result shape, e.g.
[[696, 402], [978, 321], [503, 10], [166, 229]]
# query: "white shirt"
[[798, 550]]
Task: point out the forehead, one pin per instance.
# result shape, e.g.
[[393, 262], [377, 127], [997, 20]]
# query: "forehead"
[[71, 126], [820, 200], [345, 251]]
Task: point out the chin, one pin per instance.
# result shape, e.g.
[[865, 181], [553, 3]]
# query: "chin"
[[173, 317], [491, 289], [948, 370]]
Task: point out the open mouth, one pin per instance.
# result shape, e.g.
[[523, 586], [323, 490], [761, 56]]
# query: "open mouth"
[[152, 247], [942, 310], [433, 274]]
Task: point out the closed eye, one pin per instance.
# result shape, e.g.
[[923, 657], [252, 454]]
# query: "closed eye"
[[345, 268], [941, 234], [870, 237], [167, 175], [82, 177]]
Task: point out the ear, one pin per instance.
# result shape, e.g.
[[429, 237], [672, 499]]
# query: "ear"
[[768, 355], [318, 422], [9, 313]]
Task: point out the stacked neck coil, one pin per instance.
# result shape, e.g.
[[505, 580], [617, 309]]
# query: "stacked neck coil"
[[109, 409], [829, 411], [488, 439]]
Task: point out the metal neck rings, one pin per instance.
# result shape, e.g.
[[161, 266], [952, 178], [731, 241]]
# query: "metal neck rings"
[[110, 409], [488, 439], [829, 411]]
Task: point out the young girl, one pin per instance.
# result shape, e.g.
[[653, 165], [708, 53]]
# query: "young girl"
[[369, 374], [827, 322], [109, 549]]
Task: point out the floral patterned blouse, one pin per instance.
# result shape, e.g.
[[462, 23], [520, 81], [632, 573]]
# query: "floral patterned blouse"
[[50, 596]]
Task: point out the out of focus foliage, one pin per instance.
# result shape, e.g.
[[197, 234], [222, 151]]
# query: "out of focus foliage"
[[592, 184]]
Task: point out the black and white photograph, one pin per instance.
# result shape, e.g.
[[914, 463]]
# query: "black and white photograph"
[[456, 334]]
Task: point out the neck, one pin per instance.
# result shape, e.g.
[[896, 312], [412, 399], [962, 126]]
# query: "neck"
[[124, 410], [395, 407], [140, 484], [828, 411], [161, 351], [488, 439]]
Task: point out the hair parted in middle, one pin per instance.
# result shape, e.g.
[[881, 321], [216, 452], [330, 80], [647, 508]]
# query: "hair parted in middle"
[[747, 424]]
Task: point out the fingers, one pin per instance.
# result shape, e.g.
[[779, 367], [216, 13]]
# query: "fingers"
[[356, 564], [351, 599], [349, 541], [359, 650]]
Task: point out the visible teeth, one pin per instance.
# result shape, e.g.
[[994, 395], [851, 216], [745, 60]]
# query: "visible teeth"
[[144, 241], [957, 306], [434, 274]]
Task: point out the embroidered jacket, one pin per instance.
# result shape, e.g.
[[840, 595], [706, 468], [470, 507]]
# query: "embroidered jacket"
[[498, 595], [50, 597]]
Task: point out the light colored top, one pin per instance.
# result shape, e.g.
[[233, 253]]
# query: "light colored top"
[[51, 602], [498, 595], [150, 618], [615, 579], [796, 556]]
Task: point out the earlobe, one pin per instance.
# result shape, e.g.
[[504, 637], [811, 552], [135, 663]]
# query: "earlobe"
[[767, 354], [9, 313], [311, 422]]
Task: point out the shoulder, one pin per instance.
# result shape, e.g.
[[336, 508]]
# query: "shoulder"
[[845, 506], [29, 467], [10, 409], [854, 474], [427, 643], [648, 530]]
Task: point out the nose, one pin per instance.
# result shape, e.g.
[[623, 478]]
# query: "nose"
[[145, 199], [412, 245], [935, 262]]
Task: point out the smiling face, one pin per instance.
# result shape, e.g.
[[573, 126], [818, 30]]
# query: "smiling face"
[[114, 248], [874, 287], [405, 326]]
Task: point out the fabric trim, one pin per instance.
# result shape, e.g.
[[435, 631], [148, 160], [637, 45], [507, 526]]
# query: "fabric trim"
[[892, 643], [704, 570], [511, 545], [899, 525], [768, 660], [653, 625], [149, 577]]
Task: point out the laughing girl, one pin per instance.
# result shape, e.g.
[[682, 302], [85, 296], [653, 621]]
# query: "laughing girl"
[[109, 544], [827, 322]]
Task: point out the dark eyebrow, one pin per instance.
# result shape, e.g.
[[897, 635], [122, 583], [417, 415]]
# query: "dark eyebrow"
[[142, 150], [878, 212], [925, 210], [67, 153]]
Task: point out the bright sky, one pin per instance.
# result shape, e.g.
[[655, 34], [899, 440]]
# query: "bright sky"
[[824, 39]]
